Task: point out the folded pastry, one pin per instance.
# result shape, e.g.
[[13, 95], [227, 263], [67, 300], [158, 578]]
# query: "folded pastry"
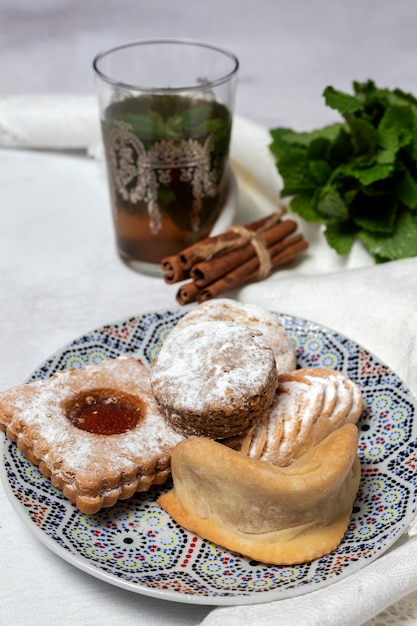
[[214, 379], [310, 403], [275, 515], [251, 315], [96, 432]]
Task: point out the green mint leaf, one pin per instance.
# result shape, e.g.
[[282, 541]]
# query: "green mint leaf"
[[387, 97], [395, 129], [364, 174], [406, 102], [148, 128], [320, 171], [342, 102], [405, 97], [318, 149], [332, 205], [287, 137], [328, 133], [295, 173], [364, 136], [282, 144], [369, 175], [402, 243], [406, 188], [340, 235], [304, 206]]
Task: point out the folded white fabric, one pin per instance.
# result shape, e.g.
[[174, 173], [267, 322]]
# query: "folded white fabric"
[[51, 121]]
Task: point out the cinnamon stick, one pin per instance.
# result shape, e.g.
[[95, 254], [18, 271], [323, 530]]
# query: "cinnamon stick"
[[188, 293], [280, 246], [206, 272], [173, 273], [190, 256], [284, 253]]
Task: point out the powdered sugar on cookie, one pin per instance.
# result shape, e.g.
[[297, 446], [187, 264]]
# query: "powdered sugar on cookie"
[[225, 309], [213, 372], [211, 363], [83, 463]]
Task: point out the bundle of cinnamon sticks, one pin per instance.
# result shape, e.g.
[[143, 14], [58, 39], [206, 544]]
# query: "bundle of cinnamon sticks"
[[239, 255]]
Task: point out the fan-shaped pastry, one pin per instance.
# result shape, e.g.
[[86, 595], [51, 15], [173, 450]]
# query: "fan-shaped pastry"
[[251, 315], [214, 379], [309, 404], [96, 432], [268, 513]]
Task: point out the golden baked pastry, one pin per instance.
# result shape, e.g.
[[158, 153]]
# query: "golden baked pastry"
[[252, 315], [310, 403], [275, 515], [96, 432], [214, 379]]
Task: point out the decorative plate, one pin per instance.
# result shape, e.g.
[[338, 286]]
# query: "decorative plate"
[[138, 547]]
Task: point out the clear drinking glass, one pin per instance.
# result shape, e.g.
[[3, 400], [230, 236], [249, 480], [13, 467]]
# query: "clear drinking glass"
[[166, 114]]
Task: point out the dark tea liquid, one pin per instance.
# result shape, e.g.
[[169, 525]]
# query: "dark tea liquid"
[[136, 242], [167, 157]]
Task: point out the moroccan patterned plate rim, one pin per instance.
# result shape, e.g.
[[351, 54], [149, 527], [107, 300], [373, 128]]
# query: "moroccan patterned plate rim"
[[137, 546]]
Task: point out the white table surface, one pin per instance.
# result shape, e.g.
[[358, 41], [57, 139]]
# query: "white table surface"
[[59, 274]]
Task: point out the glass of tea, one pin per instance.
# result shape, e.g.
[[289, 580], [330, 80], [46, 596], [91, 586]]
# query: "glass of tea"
[[166, 116]]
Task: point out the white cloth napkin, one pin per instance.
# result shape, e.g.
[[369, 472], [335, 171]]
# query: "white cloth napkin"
[[51, 121], [374, 305]]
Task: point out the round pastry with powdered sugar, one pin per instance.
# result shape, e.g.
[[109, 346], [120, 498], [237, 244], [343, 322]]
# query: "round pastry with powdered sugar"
[[214, 378], [226, 309]]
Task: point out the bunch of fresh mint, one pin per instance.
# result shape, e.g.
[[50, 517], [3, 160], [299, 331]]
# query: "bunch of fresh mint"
[[358, 177]]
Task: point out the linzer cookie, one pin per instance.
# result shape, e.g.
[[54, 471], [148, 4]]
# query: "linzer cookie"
[[96, 432], [214, 378], [310, 404], [225, 309]]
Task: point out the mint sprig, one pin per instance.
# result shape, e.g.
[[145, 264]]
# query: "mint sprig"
[[359, 176]]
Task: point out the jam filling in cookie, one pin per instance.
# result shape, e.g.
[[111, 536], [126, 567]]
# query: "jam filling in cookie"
[[104, 411]]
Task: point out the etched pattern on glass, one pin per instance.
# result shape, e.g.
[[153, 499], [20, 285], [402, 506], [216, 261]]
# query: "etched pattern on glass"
[[137, 173]]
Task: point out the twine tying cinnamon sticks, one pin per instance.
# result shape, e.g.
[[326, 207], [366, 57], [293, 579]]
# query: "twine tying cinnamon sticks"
[[241, 254]]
